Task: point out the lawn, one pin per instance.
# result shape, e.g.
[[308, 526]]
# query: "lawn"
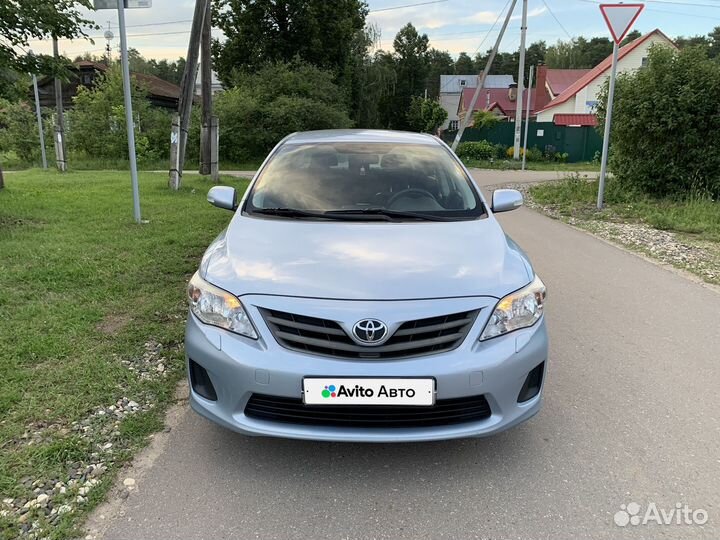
[[508, 164], [91, 326]]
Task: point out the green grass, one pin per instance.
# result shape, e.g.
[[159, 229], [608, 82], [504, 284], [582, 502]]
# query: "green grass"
[[84, 288], [511, 165], [577, 197]]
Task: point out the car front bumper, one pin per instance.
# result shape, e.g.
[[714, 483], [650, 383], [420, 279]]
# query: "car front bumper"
[[239, 367]]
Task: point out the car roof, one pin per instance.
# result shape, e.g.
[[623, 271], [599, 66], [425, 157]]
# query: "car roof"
[[361, 136]]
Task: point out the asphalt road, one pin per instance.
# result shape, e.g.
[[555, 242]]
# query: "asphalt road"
[[631, 414]]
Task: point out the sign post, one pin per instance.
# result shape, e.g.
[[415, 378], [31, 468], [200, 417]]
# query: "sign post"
[[120, 5], [619, 19]]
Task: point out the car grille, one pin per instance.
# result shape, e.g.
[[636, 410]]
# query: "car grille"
[[326, 337], [294, 411]]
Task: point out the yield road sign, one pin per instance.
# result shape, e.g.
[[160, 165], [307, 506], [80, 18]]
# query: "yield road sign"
[[620, 18]]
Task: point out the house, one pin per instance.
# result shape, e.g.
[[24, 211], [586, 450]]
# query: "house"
[[215, 84], [452, 87], [501, 101], [579, 99], [160, 93], [553, 82]]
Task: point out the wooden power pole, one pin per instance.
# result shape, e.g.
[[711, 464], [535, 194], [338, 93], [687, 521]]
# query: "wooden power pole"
[[206, 139], [187, 92], [60, 148]]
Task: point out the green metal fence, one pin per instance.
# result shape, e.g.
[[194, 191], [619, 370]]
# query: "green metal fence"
[[580, 143]]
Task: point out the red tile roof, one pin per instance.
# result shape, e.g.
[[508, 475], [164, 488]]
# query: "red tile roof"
[[559, 80], [575, 120], [598, 70], [490, 98]]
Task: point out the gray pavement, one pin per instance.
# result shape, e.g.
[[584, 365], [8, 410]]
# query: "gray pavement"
[[631, 414]]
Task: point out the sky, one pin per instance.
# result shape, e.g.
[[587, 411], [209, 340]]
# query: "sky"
[[162, 31]]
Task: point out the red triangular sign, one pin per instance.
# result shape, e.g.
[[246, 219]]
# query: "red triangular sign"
[[620, 18]]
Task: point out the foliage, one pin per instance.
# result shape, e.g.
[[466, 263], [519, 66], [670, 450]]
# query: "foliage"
[[97, 121], [464, 65], [24, 20], [279, 99], [18, 130], [476, 150], [260, 31], [425, 115], [485, 119], [411, 65], [664, 116], [63, 345], [167, 71]]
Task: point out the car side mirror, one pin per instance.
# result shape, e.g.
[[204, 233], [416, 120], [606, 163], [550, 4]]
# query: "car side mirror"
[[504, 200], [223, 197]]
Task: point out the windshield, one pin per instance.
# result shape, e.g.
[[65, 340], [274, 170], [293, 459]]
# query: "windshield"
[[351, 180]]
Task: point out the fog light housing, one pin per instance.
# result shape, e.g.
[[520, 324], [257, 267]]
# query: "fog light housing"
[[533, 383], [200, 381]]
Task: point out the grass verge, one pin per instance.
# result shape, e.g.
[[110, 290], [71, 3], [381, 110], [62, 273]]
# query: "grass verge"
[[683, 232], [91, 326], [511, 165]]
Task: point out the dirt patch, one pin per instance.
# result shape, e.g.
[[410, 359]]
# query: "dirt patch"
[[113, 323]]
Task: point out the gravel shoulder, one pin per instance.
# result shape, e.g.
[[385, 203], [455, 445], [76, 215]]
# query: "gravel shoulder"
[[682, 251]]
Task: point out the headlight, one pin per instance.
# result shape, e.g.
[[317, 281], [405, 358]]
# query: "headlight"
[[217, 307], [517, 310]]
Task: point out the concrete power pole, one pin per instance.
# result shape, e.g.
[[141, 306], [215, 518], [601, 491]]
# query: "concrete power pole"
[[481, 80], [206, 139], [187, 92], [60, 149], [521, 83]]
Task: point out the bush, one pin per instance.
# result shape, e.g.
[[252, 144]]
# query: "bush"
[[665, 123], [96, 124], [18, 131], [278, 100], [476, 150]]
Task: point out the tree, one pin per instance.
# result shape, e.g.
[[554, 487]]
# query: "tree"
[[411, 68], [485, 119], [439, 63], [24, 20], [630, 37], [693, 41], [714, 49], [425, 115], [16, 133], [260, 31], [464, 64], [663, 118]]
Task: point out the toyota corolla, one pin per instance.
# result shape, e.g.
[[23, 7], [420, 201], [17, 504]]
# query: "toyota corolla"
[[364, 291]]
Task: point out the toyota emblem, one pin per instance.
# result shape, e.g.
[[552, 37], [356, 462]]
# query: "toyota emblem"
[[370, 331]]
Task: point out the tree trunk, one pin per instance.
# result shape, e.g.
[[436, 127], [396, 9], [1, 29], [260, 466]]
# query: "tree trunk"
[[2, 180]]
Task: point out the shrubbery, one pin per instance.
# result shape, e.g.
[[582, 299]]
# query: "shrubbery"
[[666, 124], [96, 123], [277, 100], [18, 131], [476, 150]]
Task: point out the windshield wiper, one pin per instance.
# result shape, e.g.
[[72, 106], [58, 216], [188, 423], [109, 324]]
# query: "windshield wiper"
[[393, 214], [297, 213]]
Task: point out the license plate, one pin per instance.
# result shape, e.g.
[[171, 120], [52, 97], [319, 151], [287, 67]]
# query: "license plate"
[[368, 391]]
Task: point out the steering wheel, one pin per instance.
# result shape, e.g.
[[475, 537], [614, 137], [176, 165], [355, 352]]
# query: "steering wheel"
[[415, 193]]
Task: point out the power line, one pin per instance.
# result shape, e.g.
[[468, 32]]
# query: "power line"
[[557, 20], [492, 27], [407, 6], [654, 10]]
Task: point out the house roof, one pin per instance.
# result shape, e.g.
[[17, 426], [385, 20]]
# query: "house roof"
[[562, 119], [450, 84], [559, 80], [155, 85], [493, 97], [598, 70]]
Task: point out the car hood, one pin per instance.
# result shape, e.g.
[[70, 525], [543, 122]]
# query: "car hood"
[[365, 260]]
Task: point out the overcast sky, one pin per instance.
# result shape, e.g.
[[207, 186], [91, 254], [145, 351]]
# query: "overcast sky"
[[453, 25]]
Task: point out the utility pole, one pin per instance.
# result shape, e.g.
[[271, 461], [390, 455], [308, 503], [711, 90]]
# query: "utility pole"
[[40, 122], [521, 82], [206, 139], [481, 79], [187, 89], [527, 116], [60, 149]]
